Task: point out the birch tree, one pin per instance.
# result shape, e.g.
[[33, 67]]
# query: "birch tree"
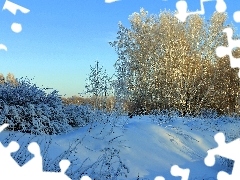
[[170, 64]]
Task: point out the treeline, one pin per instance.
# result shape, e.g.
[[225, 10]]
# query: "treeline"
[[77, 100], [10, 78], [165, 64]]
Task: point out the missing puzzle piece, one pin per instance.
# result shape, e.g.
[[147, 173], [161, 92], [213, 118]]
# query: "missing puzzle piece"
[[222, 51], [35, 165], [177, 171], [7, 163], [64, 164], [236, 16], [9, 168], [159, 178], [182, 8], [2, 127], [227, 150]]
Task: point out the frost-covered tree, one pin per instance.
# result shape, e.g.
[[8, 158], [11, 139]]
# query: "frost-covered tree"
[[167, 64], [121, 92], [2, 78], [98, 85], [10, 78]]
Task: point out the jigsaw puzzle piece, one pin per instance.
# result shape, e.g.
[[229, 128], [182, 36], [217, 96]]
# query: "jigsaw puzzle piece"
[[227, 150], [88, 178], [234, 176], [236, 16], [210, 158], [182, 6], [54, 175], [35, 165], [235, 172], [223, 176], [2, 127], [159, 178], [13, 8], [5, 155], [64, 164], [33, 168], [222, 51], [7, 163], [177, 171], [221, 6]]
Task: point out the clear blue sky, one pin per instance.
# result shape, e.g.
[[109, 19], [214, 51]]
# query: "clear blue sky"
[[62, 38]]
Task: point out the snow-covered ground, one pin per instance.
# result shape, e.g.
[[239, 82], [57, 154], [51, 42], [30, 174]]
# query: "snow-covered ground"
[[147, 148]]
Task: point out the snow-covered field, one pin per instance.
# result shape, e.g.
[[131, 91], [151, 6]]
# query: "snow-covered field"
[[142, 146]]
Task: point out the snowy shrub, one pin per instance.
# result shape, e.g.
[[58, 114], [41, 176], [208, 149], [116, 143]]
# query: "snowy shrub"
[[100, 116], [29, 109], [26, 92], [163, 116], [101, 151], [81, 115], [108, 166], [208, 113], [101, 139], [78, 115]]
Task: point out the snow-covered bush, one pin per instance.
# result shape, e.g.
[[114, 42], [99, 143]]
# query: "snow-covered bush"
[[78, 115], [26, 92], [29, 109], [208, 113], [108, 166], [163, 116], [81, 115]]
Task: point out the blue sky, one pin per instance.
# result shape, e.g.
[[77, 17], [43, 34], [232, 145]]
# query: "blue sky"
[[61, 39]]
